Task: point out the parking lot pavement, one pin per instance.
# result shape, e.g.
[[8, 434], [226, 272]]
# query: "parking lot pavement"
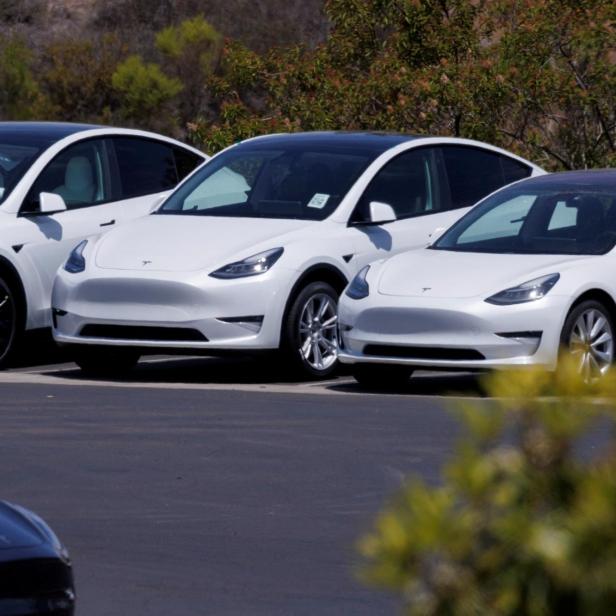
[[202, 486]]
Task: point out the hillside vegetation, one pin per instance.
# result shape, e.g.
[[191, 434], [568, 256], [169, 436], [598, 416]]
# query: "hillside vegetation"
[[536, 76]]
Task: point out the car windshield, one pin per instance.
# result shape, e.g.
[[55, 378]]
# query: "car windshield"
[[15, 160], [285, 182], [537, 220]]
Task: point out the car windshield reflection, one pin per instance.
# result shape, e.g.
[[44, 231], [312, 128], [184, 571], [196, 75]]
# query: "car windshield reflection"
[[522, 220], [289, 183]]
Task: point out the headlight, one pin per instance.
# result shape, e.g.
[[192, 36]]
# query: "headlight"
[[76, 261], [251, 266], [527, 292], [359, 288]]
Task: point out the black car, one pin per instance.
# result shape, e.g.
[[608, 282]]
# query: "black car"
[[36, 576]]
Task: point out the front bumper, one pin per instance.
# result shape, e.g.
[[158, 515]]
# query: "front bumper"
[[466, 334], [204, 312]]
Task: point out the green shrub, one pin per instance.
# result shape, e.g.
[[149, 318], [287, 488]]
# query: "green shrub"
[[145, 93], [76, 75], [523, 523], [191, 52], [20, 96]]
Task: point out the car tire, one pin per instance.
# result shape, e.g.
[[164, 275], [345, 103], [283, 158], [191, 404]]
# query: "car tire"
[[381, 377], [305, 340], [588, 334], [104, 361], [11, 323]]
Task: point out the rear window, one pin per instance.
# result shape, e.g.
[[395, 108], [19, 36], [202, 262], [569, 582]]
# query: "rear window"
[[186, 162]]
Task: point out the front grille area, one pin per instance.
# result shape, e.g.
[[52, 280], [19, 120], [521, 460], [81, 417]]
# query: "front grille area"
[[142, 332], [415, 352], [24, 578]]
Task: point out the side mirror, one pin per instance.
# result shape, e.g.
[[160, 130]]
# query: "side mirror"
[[380, 213], [50, 203]]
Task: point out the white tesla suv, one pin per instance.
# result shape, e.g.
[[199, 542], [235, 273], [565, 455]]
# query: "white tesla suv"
[[529, 270], [252, 251], [60, 183]]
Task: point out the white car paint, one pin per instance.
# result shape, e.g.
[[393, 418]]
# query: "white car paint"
[[35, 246], [155, 271], [435, 300]]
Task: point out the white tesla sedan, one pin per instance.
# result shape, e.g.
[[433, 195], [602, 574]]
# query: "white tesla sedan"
[[530, 269], [252, 251], [60, 183]]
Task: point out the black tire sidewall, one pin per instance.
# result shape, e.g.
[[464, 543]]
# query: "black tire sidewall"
[[17, 326], [289, 344]]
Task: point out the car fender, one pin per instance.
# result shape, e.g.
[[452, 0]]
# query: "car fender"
[[31, 286]]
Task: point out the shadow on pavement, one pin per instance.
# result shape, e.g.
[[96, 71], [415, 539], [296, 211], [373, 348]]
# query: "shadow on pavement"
[[426, 384], [38, 349], [241, 370], [201, 370]]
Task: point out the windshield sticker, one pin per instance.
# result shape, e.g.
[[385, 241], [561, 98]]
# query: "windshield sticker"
[[319, 201]]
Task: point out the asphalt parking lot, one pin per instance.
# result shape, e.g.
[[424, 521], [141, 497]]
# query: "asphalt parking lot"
[[206, 486]]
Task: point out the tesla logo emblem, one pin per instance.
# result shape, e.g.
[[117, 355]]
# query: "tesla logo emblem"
[[146, 263], [424, 289]]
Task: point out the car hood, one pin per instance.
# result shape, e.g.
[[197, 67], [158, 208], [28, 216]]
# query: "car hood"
[[442, 273], [16, 530], [189, 243]]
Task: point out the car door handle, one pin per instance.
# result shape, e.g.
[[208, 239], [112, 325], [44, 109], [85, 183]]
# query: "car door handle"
[[108, 224]]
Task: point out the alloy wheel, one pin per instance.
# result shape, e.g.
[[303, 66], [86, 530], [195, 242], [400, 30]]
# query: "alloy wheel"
[[317, 332], [591, 341]]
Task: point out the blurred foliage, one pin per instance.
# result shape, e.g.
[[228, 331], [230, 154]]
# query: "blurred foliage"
[[145, 91], [77, 75], [192, 50], [524, 522], [22, 11], [259, 25], [535, 76], [20, 96]]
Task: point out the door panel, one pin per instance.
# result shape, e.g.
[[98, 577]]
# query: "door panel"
[[412, 184]]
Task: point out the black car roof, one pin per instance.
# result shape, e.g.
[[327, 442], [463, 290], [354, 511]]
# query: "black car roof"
[[571, 180], [376, 142], [40, 132]]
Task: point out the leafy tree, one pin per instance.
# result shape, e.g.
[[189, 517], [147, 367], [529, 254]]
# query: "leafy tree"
[[20, 96], [145, 92], [537, 76], [77, 77], [524, 522], [191, 50]]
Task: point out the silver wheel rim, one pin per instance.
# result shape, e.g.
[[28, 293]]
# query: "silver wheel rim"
[[317, 332], [591, 342]]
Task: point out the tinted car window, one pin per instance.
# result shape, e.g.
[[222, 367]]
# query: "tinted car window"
[[145, 167], [537, 220], [406, 183], [514, 170], [15, 160], [285, 182], [474, 173], [186, 162], [79, 174]]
